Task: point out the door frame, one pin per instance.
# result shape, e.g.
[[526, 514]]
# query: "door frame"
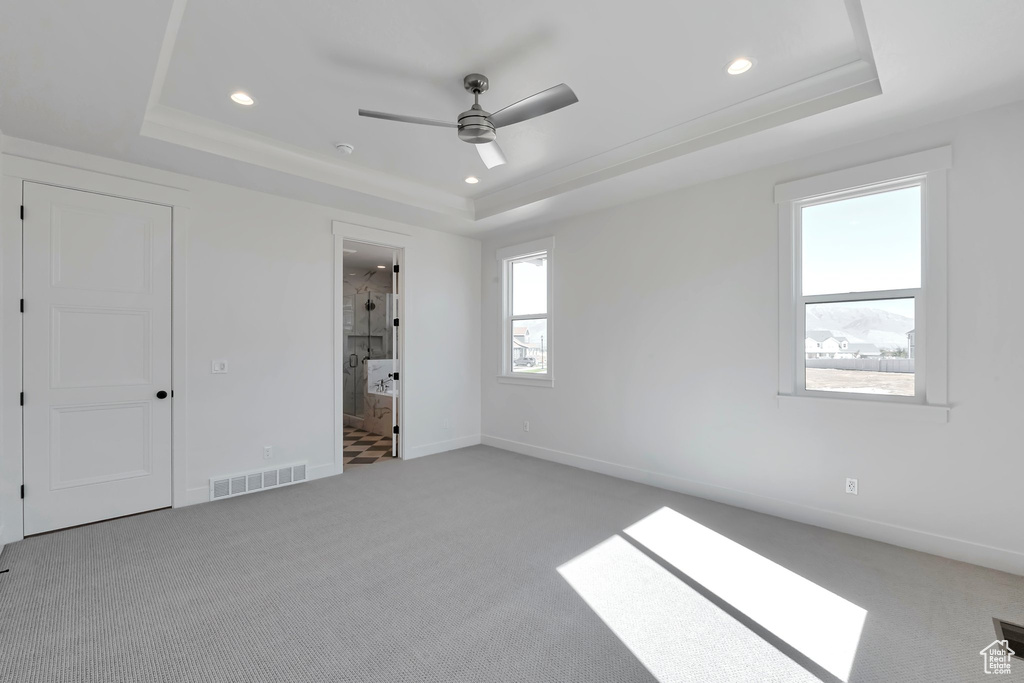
[[17, 171], [403, 244]]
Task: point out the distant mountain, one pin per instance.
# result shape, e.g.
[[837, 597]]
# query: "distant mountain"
[[882, 328]]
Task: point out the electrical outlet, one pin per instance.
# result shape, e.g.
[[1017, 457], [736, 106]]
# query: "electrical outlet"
[[526, 425], [268, 452], [851, 486], [219, 367], [447, 425]]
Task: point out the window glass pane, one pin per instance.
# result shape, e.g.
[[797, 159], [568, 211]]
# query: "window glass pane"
[[863, 244], [529, 345], [861, 347], [530, 285]]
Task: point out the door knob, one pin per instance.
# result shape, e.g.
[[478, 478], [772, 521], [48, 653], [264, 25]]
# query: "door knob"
[[161, 394]]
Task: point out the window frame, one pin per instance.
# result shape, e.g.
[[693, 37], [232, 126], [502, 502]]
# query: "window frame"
[[926, 170], [506, 257]]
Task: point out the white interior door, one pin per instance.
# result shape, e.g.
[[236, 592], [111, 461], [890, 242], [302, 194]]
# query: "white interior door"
[[97, 340]]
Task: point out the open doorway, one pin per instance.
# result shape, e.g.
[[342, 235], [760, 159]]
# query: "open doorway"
[[370, 354]]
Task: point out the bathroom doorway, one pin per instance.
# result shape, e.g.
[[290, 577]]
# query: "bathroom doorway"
[[370, 354]]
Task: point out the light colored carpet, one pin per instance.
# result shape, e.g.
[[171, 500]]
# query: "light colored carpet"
[[446, 568]]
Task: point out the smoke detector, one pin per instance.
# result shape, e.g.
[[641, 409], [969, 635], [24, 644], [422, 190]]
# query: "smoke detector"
[[344, 147]]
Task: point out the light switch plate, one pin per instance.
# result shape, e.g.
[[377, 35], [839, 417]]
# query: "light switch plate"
[[219, 367]]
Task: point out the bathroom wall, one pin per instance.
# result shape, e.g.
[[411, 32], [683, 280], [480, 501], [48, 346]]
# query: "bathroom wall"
[[361, 282]]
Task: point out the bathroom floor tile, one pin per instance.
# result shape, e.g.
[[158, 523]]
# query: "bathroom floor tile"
[[365, 448]]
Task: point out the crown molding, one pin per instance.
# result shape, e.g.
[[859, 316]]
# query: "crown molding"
[[188, 130]]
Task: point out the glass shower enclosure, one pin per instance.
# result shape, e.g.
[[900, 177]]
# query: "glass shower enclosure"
[[369, 348]]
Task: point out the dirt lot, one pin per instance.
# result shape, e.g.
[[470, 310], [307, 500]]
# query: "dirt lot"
[[861, 381]]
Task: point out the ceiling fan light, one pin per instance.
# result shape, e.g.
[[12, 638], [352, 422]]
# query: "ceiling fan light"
[[491, 154]]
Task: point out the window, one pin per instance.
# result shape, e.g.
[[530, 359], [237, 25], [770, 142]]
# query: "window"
[[526, 313], [862, 282]]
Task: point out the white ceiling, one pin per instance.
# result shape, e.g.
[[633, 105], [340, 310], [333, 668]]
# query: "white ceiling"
[[362, 258], [656, 108]]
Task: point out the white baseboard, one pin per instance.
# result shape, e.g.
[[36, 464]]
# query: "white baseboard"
[[201, 494], [318, 471], [915, 539], [441, 446]]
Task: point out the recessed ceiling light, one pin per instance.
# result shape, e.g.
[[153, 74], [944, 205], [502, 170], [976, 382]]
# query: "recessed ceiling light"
[[738, 66], [472, 180], [242, 98], [382, 266]]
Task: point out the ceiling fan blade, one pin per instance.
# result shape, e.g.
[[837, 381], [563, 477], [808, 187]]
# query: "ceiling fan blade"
[[491, 154], [543, 102], [406, 119]]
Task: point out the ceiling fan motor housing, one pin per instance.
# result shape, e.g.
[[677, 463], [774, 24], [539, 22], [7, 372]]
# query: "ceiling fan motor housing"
[[475, 126]]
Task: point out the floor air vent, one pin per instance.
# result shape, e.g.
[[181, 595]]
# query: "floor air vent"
[[1013, 634], [248, 482]]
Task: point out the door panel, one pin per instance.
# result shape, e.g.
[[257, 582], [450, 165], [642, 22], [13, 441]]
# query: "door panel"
[[97, 328], [92, 444], [99, 347], [101, 251]]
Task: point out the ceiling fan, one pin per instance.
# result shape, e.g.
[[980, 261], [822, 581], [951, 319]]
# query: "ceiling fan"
[[479, 127]]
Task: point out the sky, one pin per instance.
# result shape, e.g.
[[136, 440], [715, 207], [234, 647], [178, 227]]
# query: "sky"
[[863, 244], [530, 286]]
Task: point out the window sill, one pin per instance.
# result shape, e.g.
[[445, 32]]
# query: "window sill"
[[910, 412], [527, 381]]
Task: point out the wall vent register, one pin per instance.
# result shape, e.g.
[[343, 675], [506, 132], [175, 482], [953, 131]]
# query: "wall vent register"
[[1013, 634], [250, 482]]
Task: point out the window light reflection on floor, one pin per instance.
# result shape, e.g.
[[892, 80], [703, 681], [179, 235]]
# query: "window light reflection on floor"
[[674, 631], [813, 620]]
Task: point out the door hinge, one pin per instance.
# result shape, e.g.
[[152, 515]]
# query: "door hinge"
[[22, 212], [396, 267], [22, 490], [396, 322], [394, 376], [22, 305], [21, 399], [395, 429]]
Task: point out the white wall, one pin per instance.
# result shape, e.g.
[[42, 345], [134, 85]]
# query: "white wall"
[[260, 287], [260, 296], [667, 322]]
